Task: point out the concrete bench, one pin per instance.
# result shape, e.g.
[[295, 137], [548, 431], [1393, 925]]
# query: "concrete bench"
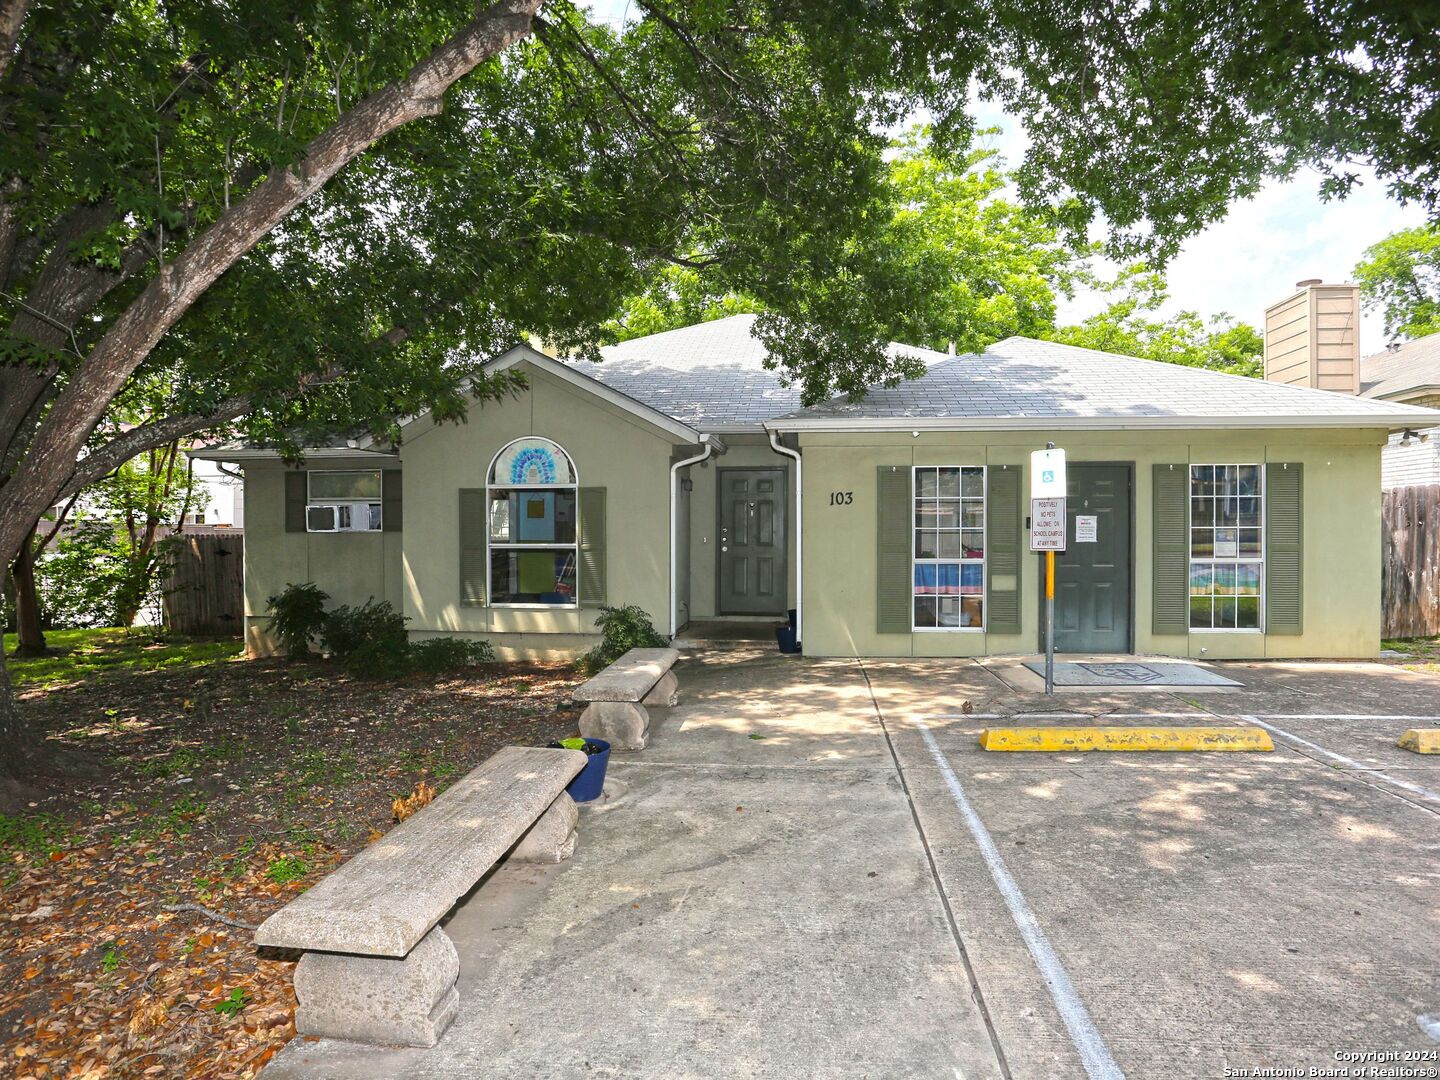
[[616, 699], [377, 967]]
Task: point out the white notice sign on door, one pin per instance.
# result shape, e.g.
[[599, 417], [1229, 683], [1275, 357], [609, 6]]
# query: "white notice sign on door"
[[1085, 528]]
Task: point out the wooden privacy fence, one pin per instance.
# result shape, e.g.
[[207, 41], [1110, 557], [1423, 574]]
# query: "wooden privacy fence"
[[1410, 588], [204, 594]]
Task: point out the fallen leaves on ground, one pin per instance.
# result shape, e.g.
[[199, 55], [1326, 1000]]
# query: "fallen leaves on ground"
[[235, 786], [406, 805]]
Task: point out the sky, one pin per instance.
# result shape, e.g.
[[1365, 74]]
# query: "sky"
[[1254, 257]]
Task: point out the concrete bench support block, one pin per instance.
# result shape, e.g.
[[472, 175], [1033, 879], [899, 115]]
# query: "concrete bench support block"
[[623, 724], [665, 692], [377, 999], [551, 839]]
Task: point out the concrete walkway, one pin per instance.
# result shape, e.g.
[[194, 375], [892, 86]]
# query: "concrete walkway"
[[798, 878]]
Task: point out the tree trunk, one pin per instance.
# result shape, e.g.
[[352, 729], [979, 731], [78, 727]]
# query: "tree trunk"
[[50, 457], [27, 602], [17, 747]]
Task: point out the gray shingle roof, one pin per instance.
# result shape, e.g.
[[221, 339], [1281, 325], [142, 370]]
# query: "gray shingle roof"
[[1413, 365], [1020, 379], [711, 376]]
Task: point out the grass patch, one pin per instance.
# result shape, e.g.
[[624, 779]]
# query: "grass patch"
[[1423, 653], [37, 836], [86, 654]]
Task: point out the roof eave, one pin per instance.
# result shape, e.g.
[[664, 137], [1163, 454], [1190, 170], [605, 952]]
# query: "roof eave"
[[259, 454], [1403, 392], [1389, 422]]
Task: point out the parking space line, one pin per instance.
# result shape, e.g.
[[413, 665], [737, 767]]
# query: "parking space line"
[[1423, 792], [1169, 716], [1094, 1054]]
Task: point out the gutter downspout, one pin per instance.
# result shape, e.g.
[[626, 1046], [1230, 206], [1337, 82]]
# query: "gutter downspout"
[[707, 448], [799, 531]]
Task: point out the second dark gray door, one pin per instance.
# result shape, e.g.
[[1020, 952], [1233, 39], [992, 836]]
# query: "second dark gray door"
[[1092, 577], [752, 579]]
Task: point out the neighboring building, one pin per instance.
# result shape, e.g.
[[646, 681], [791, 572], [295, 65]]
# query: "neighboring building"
[[1407, 372], [1233, 517], [219, 496], [1312, 338]]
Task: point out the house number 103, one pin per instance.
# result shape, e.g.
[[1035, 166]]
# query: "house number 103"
[[841, 498]]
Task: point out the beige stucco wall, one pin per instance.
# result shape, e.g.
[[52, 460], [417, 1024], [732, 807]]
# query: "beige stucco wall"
[[1341, 554], [610, 448], [351, 567], [742, 452]]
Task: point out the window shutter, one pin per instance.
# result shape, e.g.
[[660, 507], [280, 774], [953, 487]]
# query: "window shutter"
[[391, 486], [474, 568], [1002, 555], [592, 546], [295, 496], [1170, 509], [892, 550], [1284, 548]]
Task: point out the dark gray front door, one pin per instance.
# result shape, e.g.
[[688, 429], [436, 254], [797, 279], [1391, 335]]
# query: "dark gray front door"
[[752, 542], [1092, 578]]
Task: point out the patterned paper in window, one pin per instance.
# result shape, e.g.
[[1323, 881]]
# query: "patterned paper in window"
[[522, 516], [949, 579]]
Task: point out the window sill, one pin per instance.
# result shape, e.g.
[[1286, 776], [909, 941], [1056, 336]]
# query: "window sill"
[[536, 607], [947, 629], [1224, 630]]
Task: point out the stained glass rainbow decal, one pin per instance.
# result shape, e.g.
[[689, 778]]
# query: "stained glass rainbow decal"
[[533, 465]]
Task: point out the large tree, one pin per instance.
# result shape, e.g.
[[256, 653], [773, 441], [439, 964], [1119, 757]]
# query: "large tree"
[[1400, 275], [312, 213], [1131, 324], [980, 266]]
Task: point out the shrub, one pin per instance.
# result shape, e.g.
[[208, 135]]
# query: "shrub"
[[297, 615], [369, 639], [621, 629], [362, 632], [436, 655]]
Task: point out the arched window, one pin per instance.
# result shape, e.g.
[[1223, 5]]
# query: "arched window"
[[532, 524]]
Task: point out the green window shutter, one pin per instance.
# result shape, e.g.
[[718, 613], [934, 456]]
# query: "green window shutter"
[[1170, 568], [893, 581], [1002, 556], [391, 513], [474, 566], [1284, 548], [296, 492], [592, 546]]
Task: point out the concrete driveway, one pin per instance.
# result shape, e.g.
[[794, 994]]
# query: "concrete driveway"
[[814, 871]]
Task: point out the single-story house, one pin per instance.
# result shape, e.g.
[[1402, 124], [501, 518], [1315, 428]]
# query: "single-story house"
[[1231, 517]]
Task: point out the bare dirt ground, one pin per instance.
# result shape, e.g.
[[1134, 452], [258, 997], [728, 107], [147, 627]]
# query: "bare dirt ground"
[[235, 785]]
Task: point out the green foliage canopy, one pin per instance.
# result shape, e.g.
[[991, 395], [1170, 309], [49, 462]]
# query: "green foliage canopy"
[[1130, 324], [1400, 275]]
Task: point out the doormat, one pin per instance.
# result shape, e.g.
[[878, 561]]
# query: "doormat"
[[1130, 673]]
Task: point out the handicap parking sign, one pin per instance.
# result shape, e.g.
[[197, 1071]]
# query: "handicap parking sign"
[[1047, 474]]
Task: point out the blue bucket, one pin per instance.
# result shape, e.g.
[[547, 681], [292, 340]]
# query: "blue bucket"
[[589, 783], [785, 638]]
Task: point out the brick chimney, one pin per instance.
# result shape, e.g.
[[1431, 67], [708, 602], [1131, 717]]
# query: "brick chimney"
[[1312, 337]]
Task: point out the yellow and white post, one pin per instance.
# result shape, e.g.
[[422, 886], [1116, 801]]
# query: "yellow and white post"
[[1050, 622], [1047, 534]]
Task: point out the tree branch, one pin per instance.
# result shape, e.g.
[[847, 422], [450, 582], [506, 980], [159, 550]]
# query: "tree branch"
[[102, 462], [167, 297], [12, 14]]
